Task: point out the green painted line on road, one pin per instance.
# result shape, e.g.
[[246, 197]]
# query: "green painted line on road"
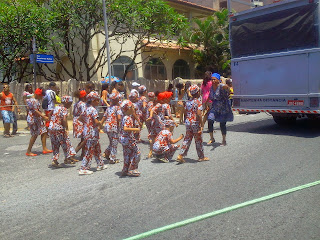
[[224, 210]]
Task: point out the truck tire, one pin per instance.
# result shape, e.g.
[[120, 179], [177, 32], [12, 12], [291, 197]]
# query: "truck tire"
[[284, 120]]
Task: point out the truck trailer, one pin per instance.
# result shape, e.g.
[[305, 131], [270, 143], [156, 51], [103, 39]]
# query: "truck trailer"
[[275, 62]]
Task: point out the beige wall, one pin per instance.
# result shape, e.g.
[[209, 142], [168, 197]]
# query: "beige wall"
[[169, 57]]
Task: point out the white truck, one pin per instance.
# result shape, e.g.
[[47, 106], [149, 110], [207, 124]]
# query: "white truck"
[[275, 61]]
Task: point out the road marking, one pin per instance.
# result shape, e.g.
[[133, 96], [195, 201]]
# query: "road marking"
[[224, 210]]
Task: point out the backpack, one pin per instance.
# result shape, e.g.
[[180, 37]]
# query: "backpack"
[[45, 102]]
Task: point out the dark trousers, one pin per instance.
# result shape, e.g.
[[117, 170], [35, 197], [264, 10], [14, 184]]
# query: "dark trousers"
[[223, 127]]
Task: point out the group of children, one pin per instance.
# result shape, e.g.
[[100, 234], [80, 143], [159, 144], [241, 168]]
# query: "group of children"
[[122, 122]]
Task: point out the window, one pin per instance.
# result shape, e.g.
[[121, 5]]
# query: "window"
[[285, 30], [155, 69], [181, 69], [119, 66]]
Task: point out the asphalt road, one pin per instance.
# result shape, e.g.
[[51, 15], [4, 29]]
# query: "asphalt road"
[[261, 158]]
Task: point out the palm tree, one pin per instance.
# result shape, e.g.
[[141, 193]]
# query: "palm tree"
[[211, 37]]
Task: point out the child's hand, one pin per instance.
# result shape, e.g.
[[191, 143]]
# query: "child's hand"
[[148, 120], [181, 136]]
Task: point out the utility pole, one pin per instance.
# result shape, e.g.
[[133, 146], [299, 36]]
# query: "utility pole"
[[34, 51], [107, 37]]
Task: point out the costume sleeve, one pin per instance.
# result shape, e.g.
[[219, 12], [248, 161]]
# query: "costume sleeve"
[[95, 114]]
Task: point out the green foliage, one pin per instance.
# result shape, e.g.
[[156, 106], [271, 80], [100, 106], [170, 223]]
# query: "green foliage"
[[67, 28], [211, 37], [19, 22]]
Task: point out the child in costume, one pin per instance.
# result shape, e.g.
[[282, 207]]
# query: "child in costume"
[[112, 117], [164, 146], [193, 123], [150, 104], [58, 132], [91, 135], [131, 152], [35, 122], [142, 103], [78, 109], [134, 98]]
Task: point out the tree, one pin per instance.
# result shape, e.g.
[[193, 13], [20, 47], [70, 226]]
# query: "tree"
[[211, 37], [78, 22], [67, 28], [19, 22], [144, 22]]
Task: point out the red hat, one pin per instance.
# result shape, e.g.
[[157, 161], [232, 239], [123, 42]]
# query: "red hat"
[[82, 94], [168, 94], [161, 96], [38, 91]]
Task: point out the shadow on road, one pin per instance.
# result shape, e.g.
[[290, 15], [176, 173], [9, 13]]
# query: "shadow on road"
[[305, 128]]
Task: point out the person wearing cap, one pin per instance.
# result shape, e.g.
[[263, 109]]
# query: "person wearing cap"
[[35, 122], [92, 125], [50, 99], [131, 151], [193, 123], [164, 146], [112, 117], [79, 109], [58, 132], [135, 85], [221, 109]]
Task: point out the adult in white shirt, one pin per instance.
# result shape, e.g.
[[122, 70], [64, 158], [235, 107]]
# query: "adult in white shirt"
[[49, 101]]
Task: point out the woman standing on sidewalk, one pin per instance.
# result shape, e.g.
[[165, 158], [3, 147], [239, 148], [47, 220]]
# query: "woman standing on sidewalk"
[[221, 109]]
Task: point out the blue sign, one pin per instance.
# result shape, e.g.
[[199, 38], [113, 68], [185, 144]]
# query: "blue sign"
[[42, 58]]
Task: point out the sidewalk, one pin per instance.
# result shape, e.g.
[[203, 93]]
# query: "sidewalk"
[[22, 124]]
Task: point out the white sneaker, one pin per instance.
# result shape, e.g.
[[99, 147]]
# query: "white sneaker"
[[85, 172], [99, 168]]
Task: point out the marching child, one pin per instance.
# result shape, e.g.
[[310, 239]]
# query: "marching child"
[[164, 146], [78, 110], [137, 115], [91, 135], [166, 106], [150, 104], [142, 103], [131, 152], [193, 123], [156, 119], [112, 116], [58, 132]]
